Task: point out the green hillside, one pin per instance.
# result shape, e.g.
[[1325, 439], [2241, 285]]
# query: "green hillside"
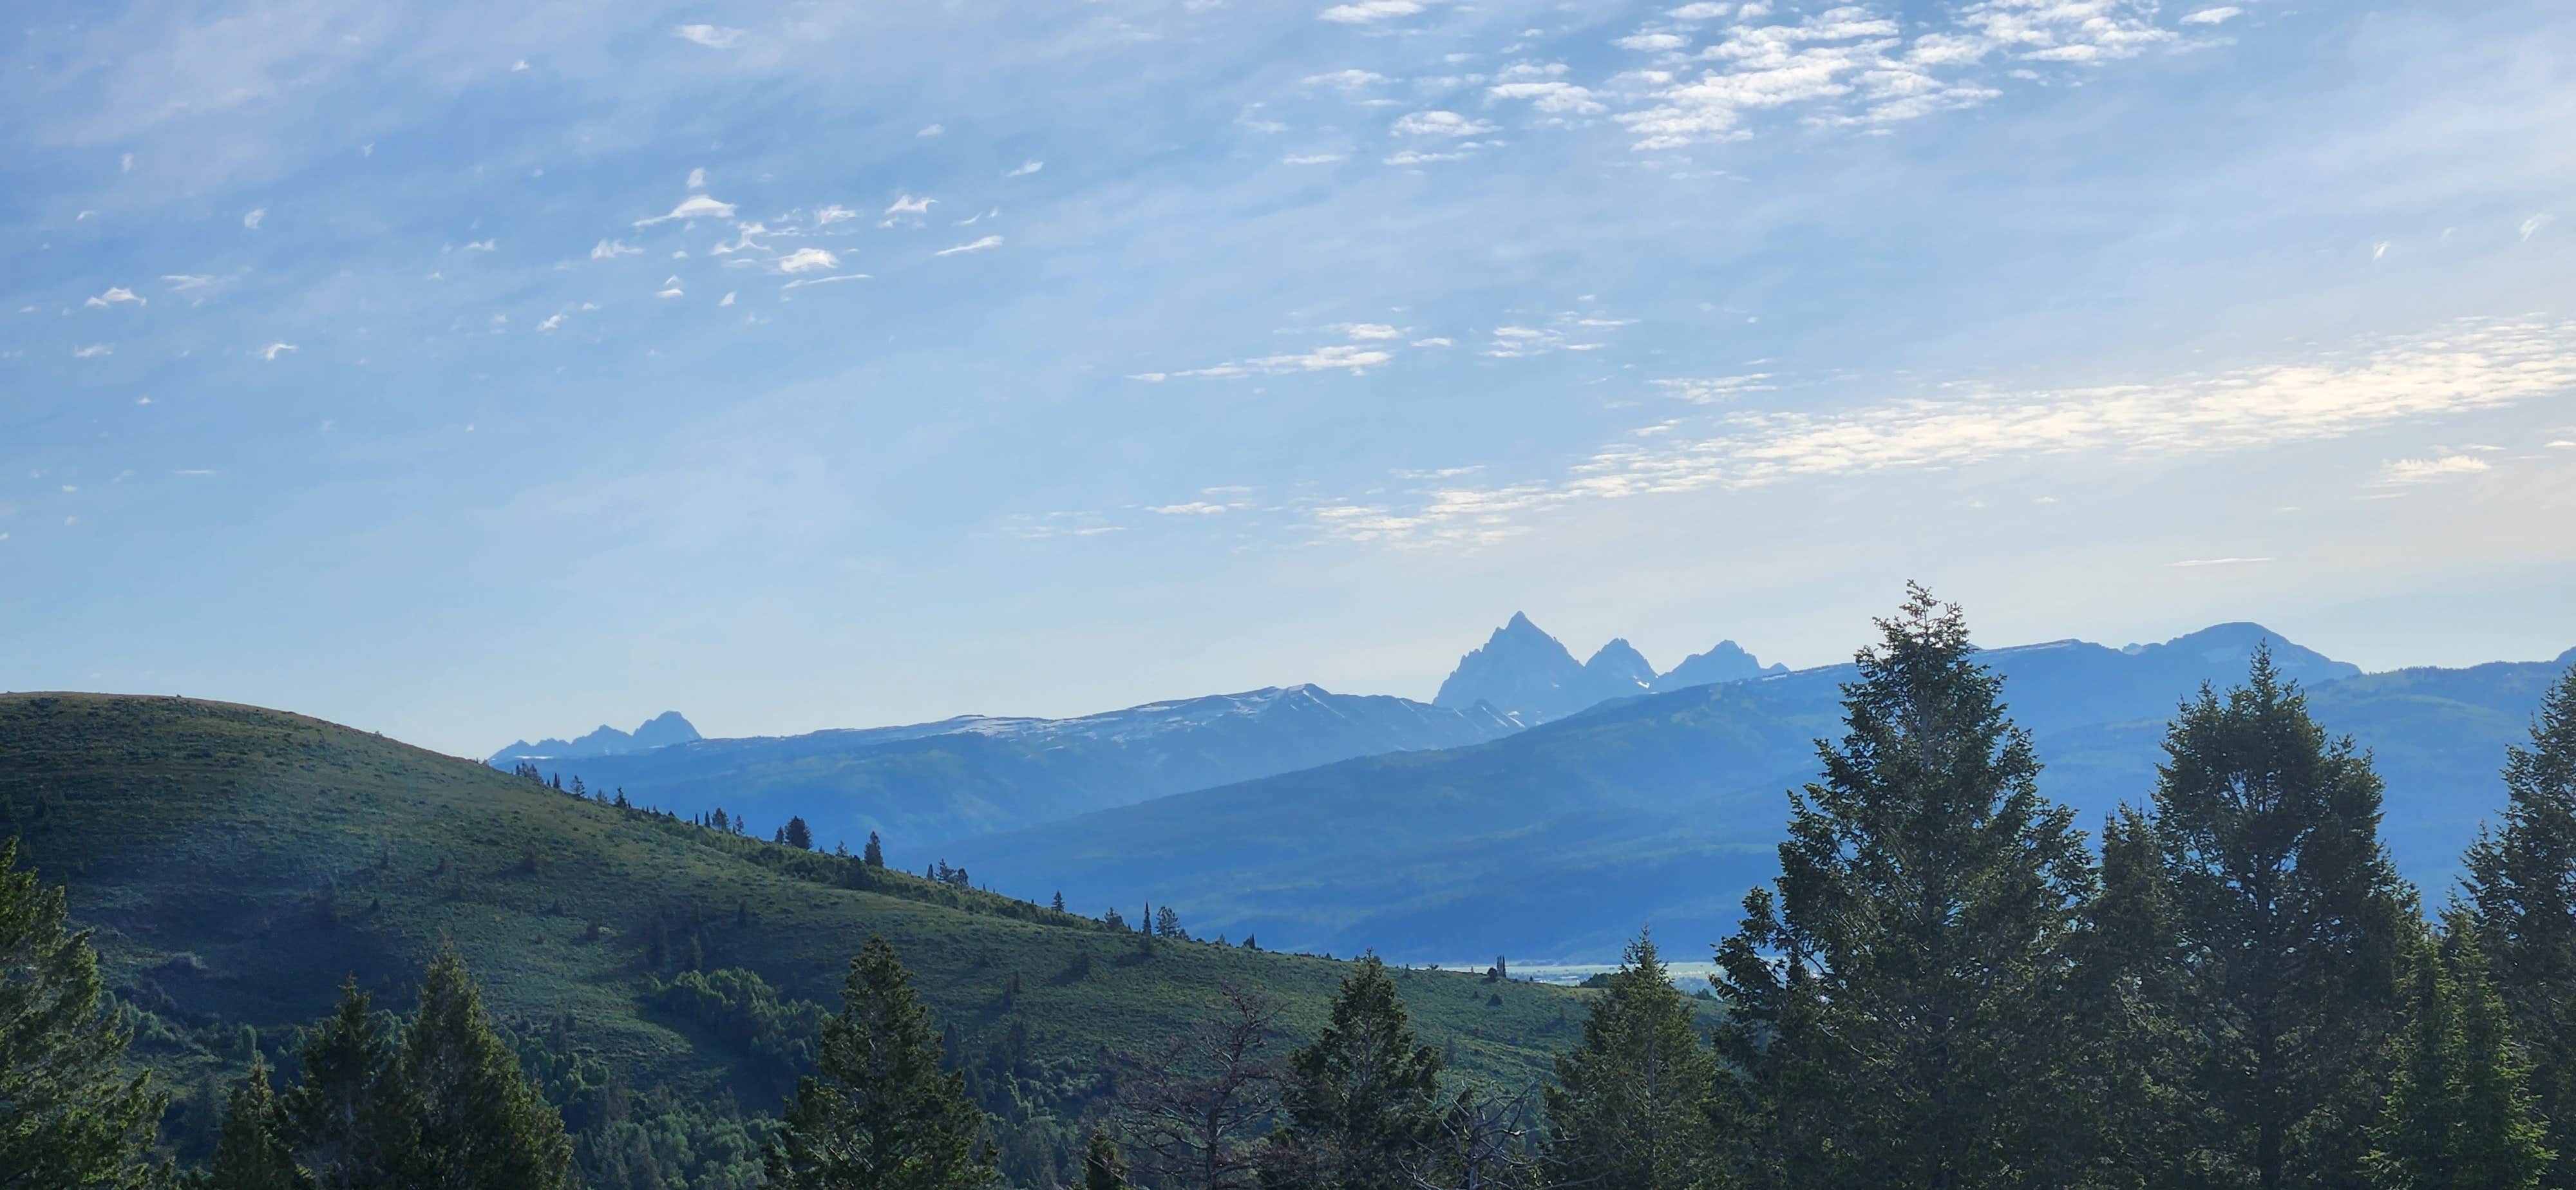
[[237, 863]]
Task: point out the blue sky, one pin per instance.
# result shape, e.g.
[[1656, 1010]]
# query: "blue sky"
[[478, 370]]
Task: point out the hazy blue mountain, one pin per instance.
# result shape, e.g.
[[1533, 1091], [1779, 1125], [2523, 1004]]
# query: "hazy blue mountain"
[[660, 731], [924, 783], [1618, 670], [1520, 671], [1530, 674], [1728, 662], [1558, 842]]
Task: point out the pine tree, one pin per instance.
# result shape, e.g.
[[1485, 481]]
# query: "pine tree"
[[249, 1154], [2414, 1145], [1103, 1167], [874, 856], [2132, 1073], [483, 1125], [2291, 925], [2459, 1114], [799, 835], [2522, 881], [349, 1123], [69, 1115], [1057, 903], [1902, 1007], [1362, 1101], [880, 1114], [1627, 1109]]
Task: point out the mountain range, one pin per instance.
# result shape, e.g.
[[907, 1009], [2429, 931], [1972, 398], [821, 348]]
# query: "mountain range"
[[1560, 841], [927, 783], [660, 731], [1538, 805], [1529, 675], [922, 784]]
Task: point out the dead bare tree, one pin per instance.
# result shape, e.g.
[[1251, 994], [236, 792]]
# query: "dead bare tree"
[[1191, 1108], [1483, 1143]]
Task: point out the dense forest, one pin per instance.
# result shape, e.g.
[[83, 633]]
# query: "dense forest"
[[1948, 985]]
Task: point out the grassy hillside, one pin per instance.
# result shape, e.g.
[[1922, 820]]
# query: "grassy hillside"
[[238, 862]]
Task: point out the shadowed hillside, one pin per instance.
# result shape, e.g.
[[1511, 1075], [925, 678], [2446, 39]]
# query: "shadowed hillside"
[[237, 863]]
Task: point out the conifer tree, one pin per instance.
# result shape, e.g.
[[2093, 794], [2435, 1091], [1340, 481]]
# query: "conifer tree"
[[1903, 1005], [2131, 1073], [1103, 1167], [874, 856], [249, 1154], [799, 835], [2522, 882], [2502, 1143], [2291, 924], [2459, 1111], [69, 1115], [880, 1114], [1362, 1100], [483, 1125], [2458, 1115], [1628, 1107], [349, 1123]]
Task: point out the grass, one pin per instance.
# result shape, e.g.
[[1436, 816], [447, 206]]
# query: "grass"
[[238, 863]]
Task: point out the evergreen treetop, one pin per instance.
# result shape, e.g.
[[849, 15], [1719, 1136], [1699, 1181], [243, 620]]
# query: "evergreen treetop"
[[1628, 1107], [1903, 1003], [70, 1115], [2522, 883], [881, 1114]]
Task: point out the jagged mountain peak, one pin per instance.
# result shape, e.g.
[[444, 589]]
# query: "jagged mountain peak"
[[660, 731], [1520, 669], [1617, 669]]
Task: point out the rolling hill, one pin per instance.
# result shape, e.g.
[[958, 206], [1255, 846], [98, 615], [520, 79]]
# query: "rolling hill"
[[1556, 843], [237, 863]]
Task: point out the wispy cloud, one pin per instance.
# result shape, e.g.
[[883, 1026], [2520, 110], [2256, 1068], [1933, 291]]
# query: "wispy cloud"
[[695, 206], [714, 37], [2471, 366], [611, 249], [976, 246], [802, 282], [807, 260], [183, 282], [2411, 471], [273, 350], [1343, 356], [2212, 16], [115, 294], [252, 220], [1026, 168], [908, 205], [1440, 123], [1366, 12], [93, 351]]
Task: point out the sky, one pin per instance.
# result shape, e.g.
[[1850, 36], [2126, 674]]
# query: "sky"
[[474, 370]]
